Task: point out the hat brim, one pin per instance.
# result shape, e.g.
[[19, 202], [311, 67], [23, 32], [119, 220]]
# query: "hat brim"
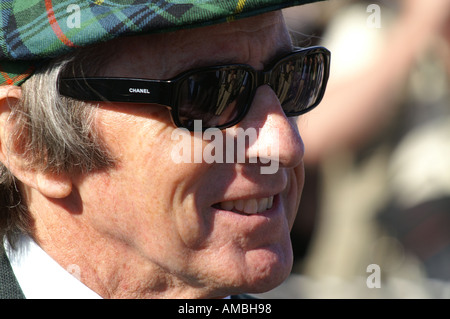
[[36, 30]]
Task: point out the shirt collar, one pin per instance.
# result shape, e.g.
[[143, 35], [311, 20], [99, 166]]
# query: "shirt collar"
[[41, 277]]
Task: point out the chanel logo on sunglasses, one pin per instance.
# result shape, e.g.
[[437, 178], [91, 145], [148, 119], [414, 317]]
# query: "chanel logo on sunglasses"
[[135, 90], [233, 145]]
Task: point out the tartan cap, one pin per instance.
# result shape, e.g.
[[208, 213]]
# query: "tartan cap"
[[36, 30]]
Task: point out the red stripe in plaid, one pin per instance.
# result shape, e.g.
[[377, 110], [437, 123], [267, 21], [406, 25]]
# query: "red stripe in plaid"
[[5, 78], [55, 26]]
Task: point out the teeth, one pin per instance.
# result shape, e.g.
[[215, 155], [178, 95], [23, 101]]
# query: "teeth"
[[248, 206], [227, 205], [262, 204], [270, 203], [239, 204], [251, 206]]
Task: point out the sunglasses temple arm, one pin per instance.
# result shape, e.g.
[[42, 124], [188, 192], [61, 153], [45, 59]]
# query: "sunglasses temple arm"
[[117, 90]]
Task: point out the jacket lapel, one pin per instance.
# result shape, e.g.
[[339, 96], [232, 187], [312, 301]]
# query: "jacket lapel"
[[9, 287]]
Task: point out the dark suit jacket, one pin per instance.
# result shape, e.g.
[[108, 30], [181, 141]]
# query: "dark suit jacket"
[[9, 287]]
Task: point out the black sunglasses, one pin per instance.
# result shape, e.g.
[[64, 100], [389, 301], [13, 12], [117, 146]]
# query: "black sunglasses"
[[219, 96]]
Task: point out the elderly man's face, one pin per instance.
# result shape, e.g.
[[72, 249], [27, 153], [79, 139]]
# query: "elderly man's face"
[[167, 218]]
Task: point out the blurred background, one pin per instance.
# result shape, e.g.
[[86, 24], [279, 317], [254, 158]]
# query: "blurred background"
[[374, 221]]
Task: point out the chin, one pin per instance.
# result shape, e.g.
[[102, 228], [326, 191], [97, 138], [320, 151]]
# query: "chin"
[[267, 268]]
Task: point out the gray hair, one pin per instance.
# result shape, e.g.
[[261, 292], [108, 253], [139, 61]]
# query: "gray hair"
[[51, 133]]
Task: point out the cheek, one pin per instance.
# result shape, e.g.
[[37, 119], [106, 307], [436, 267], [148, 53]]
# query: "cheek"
[[157, 188], [297, 180]]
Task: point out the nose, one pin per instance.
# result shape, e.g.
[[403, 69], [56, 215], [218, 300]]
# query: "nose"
[[278, 138]]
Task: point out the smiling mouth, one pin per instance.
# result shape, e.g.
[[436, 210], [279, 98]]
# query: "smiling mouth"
[[247, 206]]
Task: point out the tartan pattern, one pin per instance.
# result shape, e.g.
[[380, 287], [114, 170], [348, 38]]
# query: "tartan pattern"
[[33, 30]]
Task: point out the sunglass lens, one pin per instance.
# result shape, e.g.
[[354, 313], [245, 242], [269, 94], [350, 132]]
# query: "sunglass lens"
[[216, 97], [298, 82]]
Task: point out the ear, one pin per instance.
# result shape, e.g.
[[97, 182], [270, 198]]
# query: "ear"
[[48, 184]]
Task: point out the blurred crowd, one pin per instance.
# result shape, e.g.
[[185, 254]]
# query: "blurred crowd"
[[377, 155]]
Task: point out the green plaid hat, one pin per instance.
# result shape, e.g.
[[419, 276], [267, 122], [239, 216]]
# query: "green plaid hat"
[[36, 30]]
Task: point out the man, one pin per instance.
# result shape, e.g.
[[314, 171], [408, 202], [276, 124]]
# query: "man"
[[94, 202]]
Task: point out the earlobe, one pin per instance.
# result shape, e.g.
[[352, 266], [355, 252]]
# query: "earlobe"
[[53, 185]]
